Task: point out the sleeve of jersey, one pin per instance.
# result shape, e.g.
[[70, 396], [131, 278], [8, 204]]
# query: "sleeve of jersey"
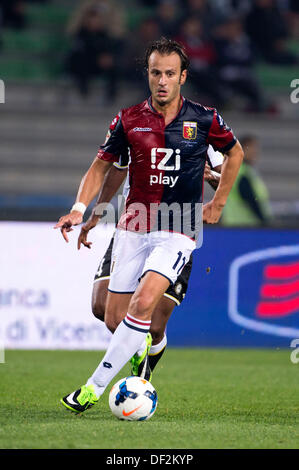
[[115, 147], [220, 136], [123, 162], [215, 158]]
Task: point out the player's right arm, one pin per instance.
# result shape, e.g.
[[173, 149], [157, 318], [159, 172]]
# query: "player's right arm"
[[88, 189], [91, 183], [112, 183]]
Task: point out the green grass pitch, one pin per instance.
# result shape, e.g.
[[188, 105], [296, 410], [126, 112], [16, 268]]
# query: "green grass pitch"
[[208, 398]]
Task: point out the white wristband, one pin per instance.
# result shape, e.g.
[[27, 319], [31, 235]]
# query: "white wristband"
[[79, 206]]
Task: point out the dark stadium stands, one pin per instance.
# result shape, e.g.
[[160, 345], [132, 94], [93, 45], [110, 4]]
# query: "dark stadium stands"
[[48, 134]]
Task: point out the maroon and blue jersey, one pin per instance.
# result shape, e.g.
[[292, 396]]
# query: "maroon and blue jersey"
[[166, 161]]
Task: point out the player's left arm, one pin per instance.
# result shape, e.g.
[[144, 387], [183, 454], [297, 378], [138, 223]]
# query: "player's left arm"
[[222, 138], [114, 178], [230, 168], [212, 176], [213, 167]]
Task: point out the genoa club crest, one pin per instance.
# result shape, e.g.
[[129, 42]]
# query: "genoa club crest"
[[189, 130]]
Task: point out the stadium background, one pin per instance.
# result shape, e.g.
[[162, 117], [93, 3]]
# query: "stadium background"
[[49, 133]]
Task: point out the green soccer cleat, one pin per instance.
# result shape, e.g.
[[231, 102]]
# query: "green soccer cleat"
[[140, 364], [81, 399]]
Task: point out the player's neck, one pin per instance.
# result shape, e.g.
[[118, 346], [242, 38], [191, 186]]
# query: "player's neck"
[[169, 110]]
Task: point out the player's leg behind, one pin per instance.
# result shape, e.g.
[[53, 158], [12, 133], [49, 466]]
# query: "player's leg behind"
[[100, 284]]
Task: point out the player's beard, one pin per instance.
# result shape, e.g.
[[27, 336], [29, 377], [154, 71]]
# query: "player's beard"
[[163, 102]]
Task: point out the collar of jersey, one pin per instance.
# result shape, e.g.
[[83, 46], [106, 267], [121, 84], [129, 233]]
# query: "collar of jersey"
[[153, 110]]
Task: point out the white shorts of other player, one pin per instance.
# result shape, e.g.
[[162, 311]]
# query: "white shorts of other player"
[[134, 254]]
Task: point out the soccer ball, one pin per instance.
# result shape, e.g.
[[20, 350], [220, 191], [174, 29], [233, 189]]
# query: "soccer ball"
[[133, 399]]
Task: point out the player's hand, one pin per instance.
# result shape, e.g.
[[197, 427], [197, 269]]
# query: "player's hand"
[[212, 212], [208, 175], [91, 223], [66, 222]]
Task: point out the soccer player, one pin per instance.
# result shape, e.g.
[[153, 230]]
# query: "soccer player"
[[167, 137], [144, 364]]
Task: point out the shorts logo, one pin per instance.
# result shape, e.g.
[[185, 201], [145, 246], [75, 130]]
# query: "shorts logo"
[[189, 130], [142, 129], [178, 288]]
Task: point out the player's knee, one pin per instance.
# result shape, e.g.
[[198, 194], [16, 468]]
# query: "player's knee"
[[141, 305]]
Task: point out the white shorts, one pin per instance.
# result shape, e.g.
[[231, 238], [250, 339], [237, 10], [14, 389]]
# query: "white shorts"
[[134, 254]]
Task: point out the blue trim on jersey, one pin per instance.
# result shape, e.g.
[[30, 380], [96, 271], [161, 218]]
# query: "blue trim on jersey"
[[229, 146]]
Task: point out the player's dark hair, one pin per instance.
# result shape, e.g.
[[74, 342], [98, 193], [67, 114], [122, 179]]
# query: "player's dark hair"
[[166, 46]]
